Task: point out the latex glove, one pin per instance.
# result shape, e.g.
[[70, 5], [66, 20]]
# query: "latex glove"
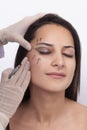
[[1, 51], [15, 32], [12, 90], [1, 127]]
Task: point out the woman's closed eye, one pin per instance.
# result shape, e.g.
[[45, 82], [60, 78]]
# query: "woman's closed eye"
[[68, 55], [43, 50]]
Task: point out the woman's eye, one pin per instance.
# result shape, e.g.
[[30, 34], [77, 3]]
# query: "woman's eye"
[[68, 55], [43, 51]]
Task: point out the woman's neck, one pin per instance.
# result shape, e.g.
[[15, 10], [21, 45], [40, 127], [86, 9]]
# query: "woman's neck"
[[48, 106]]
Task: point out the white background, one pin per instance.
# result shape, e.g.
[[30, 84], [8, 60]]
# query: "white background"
[[75, 11]]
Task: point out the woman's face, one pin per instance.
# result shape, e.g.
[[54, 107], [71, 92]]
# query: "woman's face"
[[52, 58]]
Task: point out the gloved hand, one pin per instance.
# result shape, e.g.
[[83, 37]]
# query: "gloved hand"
[[12, 90], [15, 32], [1, 51]]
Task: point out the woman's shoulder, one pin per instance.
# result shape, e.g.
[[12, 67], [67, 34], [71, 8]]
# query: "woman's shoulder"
[[79, 112], [79, 107]]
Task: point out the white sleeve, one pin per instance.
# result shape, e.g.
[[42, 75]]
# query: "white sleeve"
[[1, 127]]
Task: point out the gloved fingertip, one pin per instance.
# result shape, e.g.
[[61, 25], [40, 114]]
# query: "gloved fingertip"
[[28, 46]]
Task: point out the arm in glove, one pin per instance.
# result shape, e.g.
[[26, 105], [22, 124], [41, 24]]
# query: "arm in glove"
[[1, 127], [15, 32], [12, 89]]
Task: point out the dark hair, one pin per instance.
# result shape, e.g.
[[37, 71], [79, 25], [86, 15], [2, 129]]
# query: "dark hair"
[[72, 91], [8, 128]]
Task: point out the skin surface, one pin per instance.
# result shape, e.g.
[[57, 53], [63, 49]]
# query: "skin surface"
[[60, 46], [52, 60]]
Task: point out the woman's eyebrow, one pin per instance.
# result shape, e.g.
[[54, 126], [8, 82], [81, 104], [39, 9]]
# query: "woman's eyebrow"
[[69, 47], [43, 43]]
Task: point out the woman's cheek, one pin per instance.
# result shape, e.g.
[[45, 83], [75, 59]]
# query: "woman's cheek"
[[37, 68], [34, 60]]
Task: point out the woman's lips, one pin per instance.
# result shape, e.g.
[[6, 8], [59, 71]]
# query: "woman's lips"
[[56, 75]]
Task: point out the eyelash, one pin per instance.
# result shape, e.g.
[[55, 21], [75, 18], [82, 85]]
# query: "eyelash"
[[45, 52], [67, 55]]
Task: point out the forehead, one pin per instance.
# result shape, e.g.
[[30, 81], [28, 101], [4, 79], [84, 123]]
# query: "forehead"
[[53, 33]]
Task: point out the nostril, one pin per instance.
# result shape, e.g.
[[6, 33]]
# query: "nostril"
[[58, 61]]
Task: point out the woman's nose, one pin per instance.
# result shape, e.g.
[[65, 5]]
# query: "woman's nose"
[[58, 60]]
